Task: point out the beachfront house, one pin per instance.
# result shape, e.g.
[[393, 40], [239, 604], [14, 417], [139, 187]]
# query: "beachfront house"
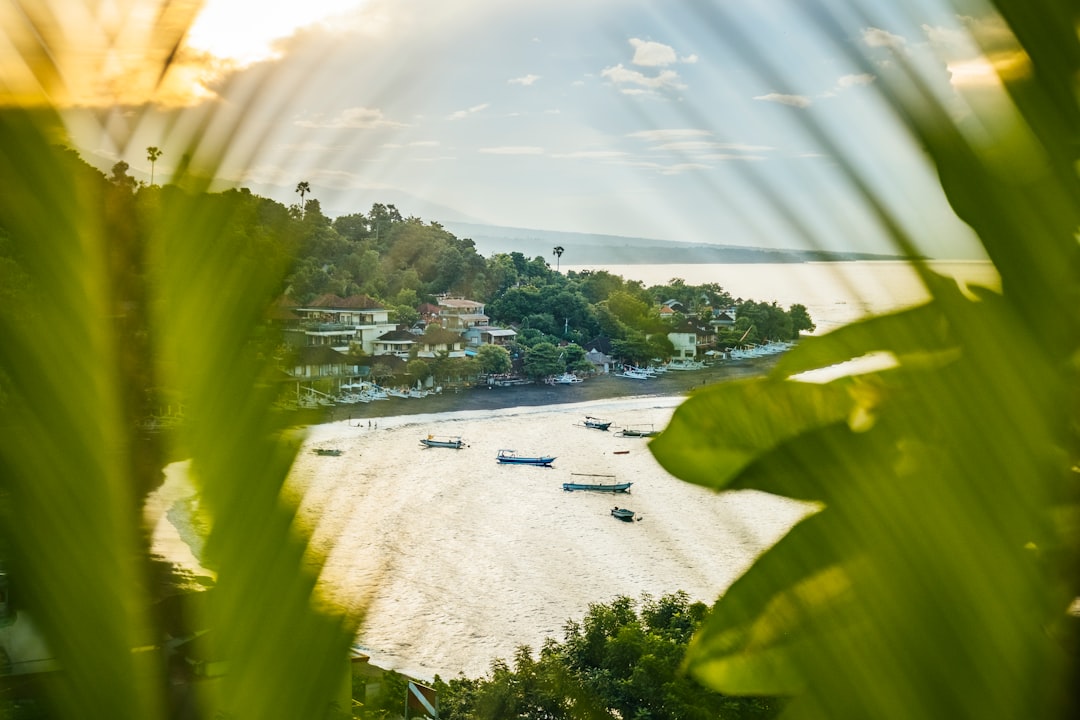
[[338, 322], [438, 342], [488, 335], [685, 339], [398, 343]]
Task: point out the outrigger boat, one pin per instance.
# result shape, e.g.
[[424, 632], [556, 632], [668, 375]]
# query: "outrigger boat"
[[624, 514], [597, 486], [596, 423], [638, 432], [453, 442], [510, 457], [327, 451]]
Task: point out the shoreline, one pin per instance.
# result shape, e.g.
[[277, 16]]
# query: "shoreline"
[[599, 387]]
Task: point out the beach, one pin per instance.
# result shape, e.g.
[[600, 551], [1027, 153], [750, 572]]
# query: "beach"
[[599, 387], [410, 534]]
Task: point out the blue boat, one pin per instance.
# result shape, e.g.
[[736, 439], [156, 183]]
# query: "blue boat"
[[510, 457]]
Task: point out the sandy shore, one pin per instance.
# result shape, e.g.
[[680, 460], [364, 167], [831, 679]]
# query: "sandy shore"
[[601, 387]]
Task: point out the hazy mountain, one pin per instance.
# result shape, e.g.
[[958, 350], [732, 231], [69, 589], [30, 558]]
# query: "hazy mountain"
[[590, 248]]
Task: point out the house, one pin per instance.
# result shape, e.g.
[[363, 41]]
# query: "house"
[[436, 342], [398, 343], [319, 362], [459, 314], [600, 361], [338, 322], [684, 338], [488, 335], [723, 317]]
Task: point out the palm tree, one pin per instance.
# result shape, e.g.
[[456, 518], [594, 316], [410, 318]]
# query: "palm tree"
[[152, 154], [557, 252], [303, 187]]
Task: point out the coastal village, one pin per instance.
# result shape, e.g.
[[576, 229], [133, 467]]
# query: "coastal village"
[[348, 350]]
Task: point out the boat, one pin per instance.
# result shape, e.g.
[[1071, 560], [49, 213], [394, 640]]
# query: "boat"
[[624, 514], [510, 457], [454, 442], [598, 487], [638, 432], [634, 374], [566, 379], [596, 423], [334, 452]]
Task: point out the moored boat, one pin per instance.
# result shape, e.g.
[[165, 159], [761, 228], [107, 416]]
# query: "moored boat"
[[454, 442], [624, 514], [596, 423], [598, 487], [640, 432], [510, 457]]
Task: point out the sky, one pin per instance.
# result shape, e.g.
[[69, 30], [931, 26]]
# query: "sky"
[[737, 122]]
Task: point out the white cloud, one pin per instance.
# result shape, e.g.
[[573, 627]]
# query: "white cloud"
[[683, 167], [878, 38], [466, 113], [689, 59], [592, 154], [357, 117], [669, 134], [731, 156], [978, 54], [652, 54], [800, 101], [414, 144], [848, 81], [710, 145], [513, 150], [621, 75], [525, 80]]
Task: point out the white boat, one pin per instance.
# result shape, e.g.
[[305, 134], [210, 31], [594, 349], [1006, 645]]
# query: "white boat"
[[634, 374], [685, 365], [567, 379]]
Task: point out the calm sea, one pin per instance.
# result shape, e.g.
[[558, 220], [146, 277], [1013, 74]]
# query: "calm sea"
[[460, 560]]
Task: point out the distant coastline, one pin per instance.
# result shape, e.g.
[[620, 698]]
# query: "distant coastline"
[[613, 249]]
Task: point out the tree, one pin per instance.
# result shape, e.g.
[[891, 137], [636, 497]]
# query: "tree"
[[152, 154], [303, 187], [542, 360], [120, 176], [380, 371], [557, 252], [418, 369], [615, 662], [493, 359], [800, 320]]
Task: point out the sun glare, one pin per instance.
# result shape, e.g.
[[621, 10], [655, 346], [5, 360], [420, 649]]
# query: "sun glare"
[[245, 31]]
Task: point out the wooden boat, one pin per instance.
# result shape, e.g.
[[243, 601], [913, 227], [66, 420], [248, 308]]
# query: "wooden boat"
[[327, 451], [510, 457], [598, 487], [638, 432], [596, 423], [624, 514], [453, 442]]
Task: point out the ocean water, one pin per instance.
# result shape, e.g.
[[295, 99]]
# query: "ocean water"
[[458, 560]]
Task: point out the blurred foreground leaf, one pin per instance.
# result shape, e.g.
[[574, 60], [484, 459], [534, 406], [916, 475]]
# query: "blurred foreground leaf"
[[936, 578]]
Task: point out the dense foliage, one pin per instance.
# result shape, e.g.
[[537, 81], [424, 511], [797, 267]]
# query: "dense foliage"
[[618, 661]]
